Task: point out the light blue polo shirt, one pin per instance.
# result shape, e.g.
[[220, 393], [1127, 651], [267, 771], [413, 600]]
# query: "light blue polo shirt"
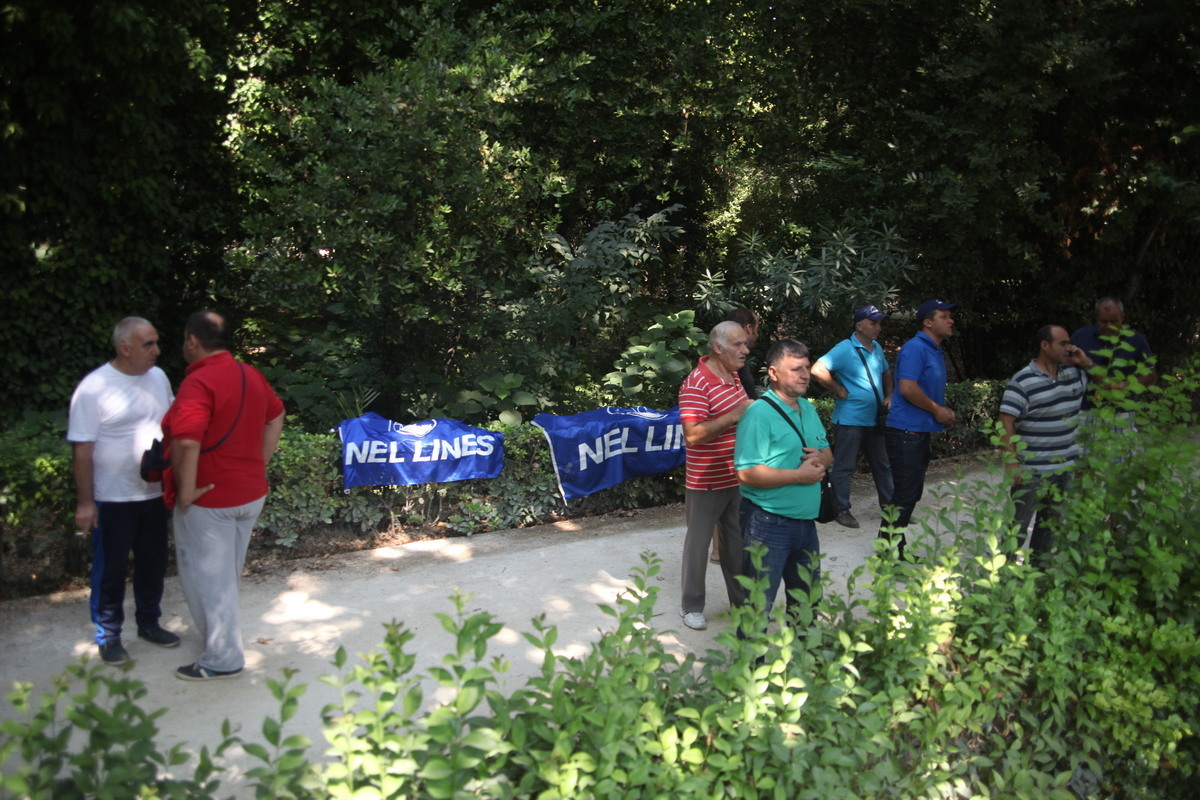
[[920, 360], [763, 437], [843, 361]]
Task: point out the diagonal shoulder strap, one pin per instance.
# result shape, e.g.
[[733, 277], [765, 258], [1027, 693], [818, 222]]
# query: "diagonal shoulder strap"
[[870, 377], [235, 419], [786, 419]]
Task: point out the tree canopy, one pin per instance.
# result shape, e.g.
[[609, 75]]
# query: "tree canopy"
[[471, 208]]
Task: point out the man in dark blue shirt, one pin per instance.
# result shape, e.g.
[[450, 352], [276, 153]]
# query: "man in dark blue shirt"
[[1131, 359], [918, 411]]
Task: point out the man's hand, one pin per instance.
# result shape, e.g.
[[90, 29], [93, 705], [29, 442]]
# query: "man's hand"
[[811, 470], [185, 496], [811, 454], [945, 416], [1015, 474], [1078, 357], [840, 392], [87, 517]]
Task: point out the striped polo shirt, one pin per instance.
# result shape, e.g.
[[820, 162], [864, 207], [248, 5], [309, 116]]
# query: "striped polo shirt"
[[704, 396], [1047, 413]]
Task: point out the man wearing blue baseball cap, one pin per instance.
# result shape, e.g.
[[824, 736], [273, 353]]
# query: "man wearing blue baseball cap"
[[857, 374], [918, 411]]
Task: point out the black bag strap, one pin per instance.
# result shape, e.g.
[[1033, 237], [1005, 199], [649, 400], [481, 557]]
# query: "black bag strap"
[[235, 419], [870, 377], [786, 419]]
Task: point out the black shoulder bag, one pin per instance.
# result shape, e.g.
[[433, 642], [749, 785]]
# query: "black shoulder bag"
[[828, 512], [153, 460]]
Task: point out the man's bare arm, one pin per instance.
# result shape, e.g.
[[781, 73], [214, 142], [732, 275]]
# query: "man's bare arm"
[[83, 465], [695, 433], [826, 379], [271, 436], [914, 394], [185, 460]]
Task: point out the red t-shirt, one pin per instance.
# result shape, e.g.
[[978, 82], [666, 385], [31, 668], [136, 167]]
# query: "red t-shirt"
[[205, 409], [704, 396]]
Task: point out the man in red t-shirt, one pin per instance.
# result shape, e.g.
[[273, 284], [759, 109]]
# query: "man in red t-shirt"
[[711, 400], [220, 433]]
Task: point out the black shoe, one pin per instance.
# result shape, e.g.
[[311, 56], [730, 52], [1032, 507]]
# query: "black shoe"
[[195, 672], [112, 653], [846, 519], [159, 636]]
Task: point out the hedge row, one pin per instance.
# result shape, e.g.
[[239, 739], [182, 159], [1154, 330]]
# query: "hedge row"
[[40, 551], [971, 675]]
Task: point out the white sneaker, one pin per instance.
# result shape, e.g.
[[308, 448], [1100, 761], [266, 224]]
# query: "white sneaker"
[[694, 620]]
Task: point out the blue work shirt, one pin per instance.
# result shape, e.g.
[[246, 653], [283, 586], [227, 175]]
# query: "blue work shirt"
[[921, 360]]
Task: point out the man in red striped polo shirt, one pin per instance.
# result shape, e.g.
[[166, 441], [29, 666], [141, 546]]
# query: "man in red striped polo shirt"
[[711, 400]]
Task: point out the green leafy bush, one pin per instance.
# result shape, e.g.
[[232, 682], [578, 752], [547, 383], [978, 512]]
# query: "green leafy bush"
[[89, 737], [977, 403], [656, 362], [37, 503]]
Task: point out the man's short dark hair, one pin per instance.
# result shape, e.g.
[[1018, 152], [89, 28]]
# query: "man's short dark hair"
[[210, 330], [742, 316], [1046, 334], [784, 348]]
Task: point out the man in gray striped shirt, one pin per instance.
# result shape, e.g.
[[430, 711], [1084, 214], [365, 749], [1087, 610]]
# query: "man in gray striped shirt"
[[1041, 406]]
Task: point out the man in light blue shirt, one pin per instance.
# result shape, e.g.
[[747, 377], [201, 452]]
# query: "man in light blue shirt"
[[857, 374], [918, 411]]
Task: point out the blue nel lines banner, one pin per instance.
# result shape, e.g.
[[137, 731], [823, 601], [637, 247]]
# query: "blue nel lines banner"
[[598, 449], [379, 452]]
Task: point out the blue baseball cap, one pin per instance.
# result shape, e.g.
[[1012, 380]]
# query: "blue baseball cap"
[[930, 306], [868, 312]]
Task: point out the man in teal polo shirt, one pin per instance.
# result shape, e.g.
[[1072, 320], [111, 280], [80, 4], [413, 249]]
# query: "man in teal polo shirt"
[[918, 412], [780, 456]]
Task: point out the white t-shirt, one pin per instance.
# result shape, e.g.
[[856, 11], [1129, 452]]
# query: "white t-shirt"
[[122, 414]]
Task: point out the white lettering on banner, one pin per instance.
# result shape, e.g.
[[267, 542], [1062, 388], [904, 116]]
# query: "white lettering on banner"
[[381, 452], [616, 442], [356, 453], [672, 436]]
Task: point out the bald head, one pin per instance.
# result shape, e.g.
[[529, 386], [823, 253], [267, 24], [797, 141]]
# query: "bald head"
[[1110, 315]]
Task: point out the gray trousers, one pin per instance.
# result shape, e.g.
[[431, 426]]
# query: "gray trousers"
[[703, 510], [210, 549]]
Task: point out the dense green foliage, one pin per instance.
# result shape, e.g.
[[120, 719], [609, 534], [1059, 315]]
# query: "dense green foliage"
[[971, 675], [470, 208], [116, 194]]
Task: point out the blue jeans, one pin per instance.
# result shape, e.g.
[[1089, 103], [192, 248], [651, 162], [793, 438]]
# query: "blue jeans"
[[908, 452], [790, 552], [847, 441]]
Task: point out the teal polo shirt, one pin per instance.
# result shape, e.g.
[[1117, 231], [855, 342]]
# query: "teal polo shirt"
[[763, 437]]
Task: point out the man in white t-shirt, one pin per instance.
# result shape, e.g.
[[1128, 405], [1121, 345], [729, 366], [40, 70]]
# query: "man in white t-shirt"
[[115, 415]]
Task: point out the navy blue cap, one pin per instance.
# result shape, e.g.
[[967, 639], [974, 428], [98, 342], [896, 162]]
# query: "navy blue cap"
[[868, 312], [930, 306]]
